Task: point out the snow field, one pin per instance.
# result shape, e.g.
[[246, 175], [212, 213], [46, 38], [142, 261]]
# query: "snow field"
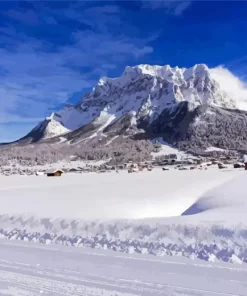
[[110, 195], [132, 213]]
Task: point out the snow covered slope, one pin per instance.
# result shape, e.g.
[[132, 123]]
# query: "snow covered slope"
[[29, 269], [145, 91]]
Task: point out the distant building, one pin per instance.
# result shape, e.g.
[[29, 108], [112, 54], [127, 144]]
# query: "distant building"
[[39, 173], [54, 173], [245, 162]]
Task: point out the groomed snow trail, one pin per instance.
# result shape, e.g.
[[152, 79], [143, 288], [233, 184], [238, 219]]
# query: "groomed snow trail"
[[30, 269]]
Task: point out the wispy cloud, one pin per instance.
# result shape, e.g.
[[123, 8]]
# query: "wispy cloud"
[[173, 7], [38, 74], [28, 16], [34, 80], [181, 7]]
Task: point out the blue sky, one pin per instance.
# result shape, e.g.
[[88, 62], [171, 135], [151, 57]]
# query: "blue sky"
[[51, 52]]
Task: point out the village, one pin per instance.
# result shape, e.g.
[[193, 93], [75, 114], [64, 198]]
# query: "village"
[[165, 162]]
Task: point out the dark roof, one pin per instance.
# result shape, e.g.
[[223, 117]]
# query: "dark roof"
[[52, 171]]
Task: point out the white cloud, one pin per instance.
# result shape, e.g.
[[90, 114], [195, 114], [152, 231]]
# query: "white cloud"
[[231, 84]]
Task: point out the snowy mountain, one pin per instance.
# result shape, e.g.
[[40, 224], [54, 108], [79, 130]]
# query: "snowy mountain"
[[149, 101], [46, 129]]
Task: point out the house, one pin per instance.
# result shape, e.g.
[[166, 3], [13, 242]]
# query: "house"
[[54, 173], [237, 165], [39, 173], [221, 166], [245, 161], [165, 169]]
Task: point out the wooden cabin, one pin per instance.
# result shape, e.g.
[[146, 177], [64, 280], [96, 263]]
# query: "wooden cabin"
[[54, 173]]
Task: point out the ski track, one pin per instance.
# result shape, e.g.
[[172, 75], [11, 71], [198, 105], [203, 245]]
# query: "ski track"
[[27, 269]]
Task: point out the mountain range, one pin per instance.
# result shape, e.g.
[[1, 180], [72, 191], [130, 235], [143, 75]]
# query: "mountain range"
[[195, 107]]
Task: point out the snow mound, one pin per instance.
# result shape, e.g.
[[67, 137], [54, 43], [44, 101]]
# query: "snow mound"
[[229, 196]]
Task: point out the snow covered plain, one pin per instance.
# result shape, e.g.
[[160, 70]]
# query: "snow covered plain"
[[28, 269], [110, 195], [132, 213]]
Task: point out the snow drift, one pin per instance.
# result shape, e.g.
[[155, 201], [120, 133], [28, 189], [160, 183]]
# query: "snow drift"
[[228, 201]]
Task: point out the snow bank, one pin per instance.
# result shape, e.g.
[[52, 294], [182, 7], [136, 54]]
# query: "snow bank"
[[27, 269]]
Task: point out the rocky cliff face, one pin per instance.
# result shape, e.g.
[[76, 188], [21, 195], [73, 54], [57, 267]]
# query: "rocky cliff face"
[[188, 107]]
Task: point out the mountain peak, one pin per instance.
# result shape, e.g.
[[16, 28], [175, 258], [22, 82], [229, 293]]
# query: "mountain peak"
[[145, 91], [51, 117], [166, 72]]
